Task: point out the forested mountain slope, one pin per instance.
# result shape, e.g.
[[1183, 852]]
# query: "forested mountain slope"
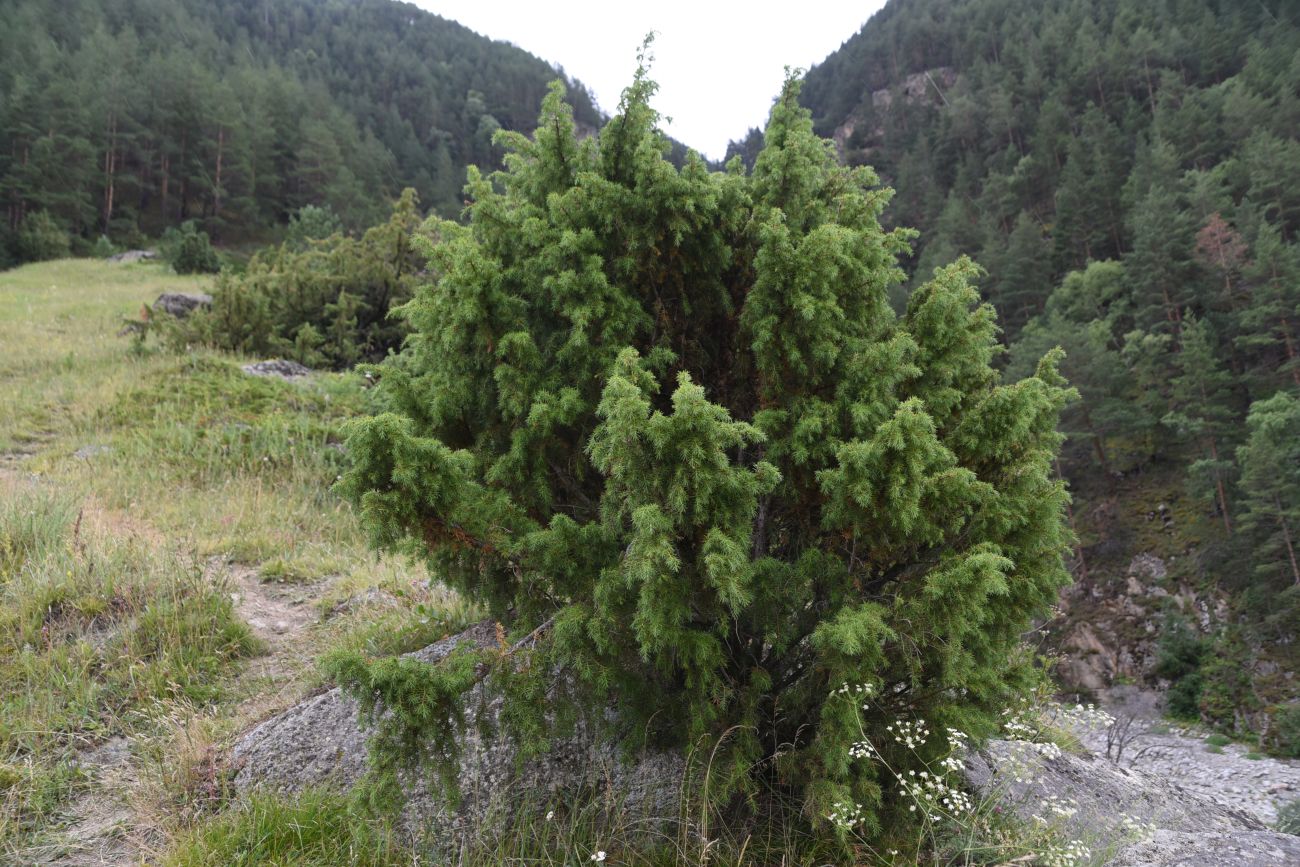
[[1127, 173], [126, 115]]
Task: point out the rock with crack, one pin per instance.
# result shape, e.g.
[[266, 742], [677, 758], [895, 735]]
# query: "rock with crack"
[[319, 742], [181, 304], [1145, 821]]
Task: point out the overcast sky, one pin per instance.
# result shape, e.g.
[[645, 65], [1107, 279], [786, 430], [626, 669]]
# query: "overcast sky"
[[718, 64]]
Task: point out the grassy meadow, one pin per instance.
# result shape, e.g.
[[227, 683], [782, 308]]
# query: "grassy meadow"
[[172, 562]]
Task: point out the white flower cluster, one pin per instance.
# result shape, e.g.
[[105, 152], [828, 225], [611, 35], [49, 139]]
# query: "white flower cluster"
[[1047, 749], [858, 691], [1057, 808], [1072, 854], [959, 743], [933, 794], [1016, 728], [1081, 716], [1136, 829], [861, 750], [845, 816], [911, 734], [1022, 761]]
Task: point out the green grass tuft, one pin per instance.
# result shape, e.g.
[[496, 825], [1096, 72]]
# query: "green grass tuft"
[[315, 829]]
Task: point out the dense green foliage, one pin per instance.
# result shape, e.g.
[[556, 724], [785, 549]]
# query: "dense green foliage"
[[39, 238], [1126, 172], [322, 303], [133, 115], [189, 250], [667, 420]]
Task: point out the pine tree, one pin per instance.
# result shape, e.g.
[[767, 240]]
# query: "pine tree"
[[664, 424], [1024, 276], [1269, 323], [1087, 316], [1270, 485], [1163, 242], [1202, 410]]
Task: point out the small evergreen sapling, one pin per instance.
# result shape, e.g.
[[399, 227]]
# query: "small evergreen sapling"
[[665, 423]]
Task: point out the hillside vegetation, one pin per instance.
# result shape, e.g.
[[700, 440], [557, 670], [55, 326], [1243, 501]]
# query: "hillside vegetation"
[[1126, 173], [171, 563], [130, 116]]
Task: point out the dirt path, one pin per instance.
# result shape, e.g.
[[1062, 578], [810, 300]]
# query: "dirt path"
[[108, 821], [102, 828], [282, 617]]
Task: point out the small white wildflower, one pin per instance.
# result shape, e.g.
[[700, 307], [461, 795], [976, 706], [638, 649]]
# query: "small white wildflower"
[[550, 814], [598, 856], [845, 816]]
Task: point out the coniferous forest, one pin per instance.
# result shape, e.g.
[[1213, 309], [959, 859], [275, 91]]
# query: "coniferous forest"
[[123, 118]]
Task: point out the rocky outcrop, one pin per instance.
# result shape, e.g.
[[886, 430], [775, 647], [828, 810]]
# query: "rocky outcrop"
[[278, 367], [181, 304], [319, 742], [1211, 849], [928, 85], [1232, 774], [1146, 821], [1110, 629], [130, 256]]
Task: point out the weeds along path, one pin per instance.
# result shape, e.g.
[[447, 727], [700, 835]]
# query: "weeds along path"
[[116, 812], [180, 565]]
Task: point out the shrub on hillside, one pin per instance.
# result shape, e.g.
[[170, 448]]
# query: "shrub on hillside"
[[312, 223], [1180, 653], [1283, 737], [666, 427], [103, 248], [189, 251], [40, 237], [1288, 817], [326, 304]]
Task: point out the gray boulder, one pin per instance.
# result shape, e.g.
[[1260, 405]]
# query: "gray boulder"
[[181, 304], [1211, 849], [319, 742], [1146, 821], [1143, 821], [278, 367], [130, 256]]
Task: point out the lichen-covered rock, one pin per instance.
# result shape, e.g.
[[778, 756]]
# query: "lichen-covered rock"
[[181, 304], [1101, 794], [280, 367], [129, 257], [1148, 821], [1211, 849], [319, 742]]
